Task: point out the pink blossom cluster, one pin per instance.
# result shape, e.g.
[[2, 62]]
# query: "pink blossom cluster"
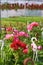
[[39, 47], [21, 33], [30, 26], [8, 36]]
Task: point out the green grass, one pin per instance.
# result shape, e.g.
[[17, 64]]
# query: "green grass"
[[22, 19], [14, 20]]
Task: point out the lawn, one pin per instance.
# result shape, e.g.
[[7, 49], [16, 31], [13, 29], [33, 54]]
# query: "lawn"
[[21, 19]]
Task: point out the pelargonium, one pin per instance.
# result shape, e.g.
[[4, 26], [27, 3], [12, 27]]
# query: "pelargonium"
[[21, 33], [25, 51], [8, 36], [35, 24], [39, 47], [9, 29], [30, 26], [16, 44], [15, 31]]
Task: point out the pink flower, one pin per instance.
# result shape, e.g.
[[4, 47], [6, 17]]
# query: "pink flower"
[[39, 47], [22, 33], [26, 35], [30, 27], [16, 31], [25, 51], [11, 34], [8, 36], [35, 24], [16, 38]]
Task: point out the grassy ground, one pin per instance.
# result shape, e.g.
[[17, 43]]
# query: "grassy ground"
[[21, 19]]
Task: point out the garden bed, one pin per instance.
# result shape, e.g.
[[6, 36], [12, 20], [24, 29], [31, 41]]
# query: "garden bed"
[[20, 23]]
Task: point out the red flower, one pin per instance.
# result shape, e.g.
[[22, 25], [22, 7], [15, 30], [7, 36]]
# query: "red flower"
[[23, 45], [9, 29], [16, 39], [12, 45], [16, 47], [25, 51], [17, 43]]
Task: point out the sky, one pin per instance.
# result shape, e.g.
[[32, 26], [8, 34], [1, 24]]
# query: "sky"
[[22, 1]]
